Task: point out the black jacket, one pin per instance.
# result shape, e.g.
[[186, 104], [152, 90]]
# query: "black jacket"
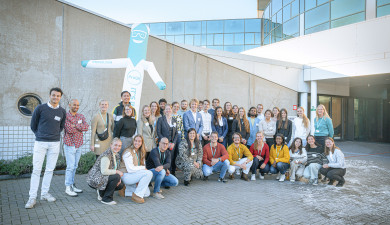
[[155, 161], [164, 131], [286, 132]]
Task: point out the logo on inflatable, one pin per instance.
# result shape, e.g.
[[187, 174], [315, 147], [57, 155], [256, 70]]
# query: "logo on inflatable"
[[134, 77]]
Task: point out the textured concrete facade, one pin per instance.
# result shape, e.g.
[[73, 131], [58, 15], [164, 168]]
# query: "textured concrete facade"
[[43, 42]]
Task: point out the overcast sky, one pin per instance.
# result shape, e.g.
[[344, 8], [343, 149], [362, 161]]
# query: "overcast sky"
[[130, 11]]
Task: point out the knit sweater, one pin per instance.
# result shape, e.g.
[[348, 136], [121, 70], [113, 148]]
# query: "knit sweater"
[[323, 127], [126, 127], [47, 123], [298, 157], [219, 152], [315, 157], [268, 128], [336, 160]]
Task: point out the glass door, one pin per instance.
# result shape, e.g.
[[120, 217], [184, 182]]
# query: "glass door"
[[333, 106]]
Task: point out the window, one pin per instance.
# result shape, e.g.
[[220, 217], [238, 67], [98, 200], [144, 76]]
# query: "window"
[[189, 39], [317, 16], [239, 39], [291, 27], [193, 27], [175, 28], [27, 103], [309, 4], [341, 8], [234, 48], [249, 38], [295, 8], [234, 26], [228, 39], [157, 28], [318, 28], [348, 20], [253, 25], [276, 6], [179, 39], [218, 39], [286, 13], [215, 26], [383, 11]]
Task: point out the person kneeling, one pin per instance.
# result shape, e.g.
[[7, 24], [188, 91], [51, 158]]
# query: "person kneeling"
[[335, 169], [236, 153], [298, 158], [279, 158], [104, 176], [159, 162], [189, 158], [133, 167], [215, 158], [260, 152]]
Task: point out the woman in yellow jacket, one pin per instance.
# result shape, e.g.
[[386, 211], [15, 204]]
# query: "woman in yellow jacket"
[[279, 158]]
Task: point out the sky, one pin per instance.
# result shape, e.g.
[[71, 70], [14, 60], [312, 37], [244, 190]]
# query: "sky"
[[130, 11]]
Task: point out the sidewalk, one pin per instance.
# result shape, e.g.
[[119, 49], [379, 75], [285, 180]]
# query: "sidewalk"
[[363, 200]]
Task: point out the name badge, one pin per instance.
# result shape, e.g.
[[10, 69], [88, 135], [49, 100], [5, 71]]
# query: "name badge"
[[317, 131], [198, 119], [314, 155], [105, 130], [97, 145], [192, 153], [179, 132], [230, 118], [57, 118], [146, 124], [80, 121], [174, 124], [239, 159]]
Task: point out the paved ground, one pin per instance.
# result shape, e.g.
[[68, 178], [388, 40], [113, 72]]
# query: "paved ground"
[[363, 200]]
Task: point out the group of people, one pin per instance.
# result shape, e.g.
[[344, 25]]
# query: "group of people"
[[137, 151]]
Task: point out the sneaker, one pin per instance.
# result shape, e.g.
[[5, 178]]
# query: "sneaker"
[[231, 176], [340, 184], [109, 203], [206, 178], [30, 203], [261, 176], [99, 197], [311, 181], [158, 195], [167, 187], [223, 180], [315, 182], [244, 177], [292, 180], [137, 199], [75, 189], [278, 176], [70, 192], [282, 177], [48, 197], [253, 177], [238, 172]]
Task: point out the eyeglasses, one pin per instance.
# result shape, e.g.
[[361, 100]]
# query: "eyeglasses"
[[164, 143]]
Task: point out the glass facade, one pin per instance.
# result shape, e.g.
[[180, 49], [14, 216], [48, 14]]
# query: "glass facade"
[[235, 35], [383, 8], [281, 18]]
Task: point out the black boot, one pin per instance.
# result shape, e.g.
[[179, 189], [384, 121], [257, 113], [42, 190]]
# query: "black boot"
[[186, 183]]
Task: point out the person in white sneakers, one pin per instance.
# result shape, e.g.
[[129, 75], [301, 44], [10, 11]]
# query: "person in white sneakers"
[[298, 158], [301, 126], [47, 122], [75, 125], [260, 152], [279, 158]]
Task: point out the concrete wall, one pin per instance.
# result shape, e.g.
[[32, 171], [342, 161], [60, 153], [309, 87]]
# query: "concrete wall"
[[43, 42]]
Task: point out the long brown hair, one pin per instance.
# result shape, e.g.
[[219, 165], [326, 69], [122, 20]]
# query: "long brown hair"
[[327, 150], [216, 122], [227, 113], [246, 121], [305, 120], [280, 120], [158, 108], [255, 143], [124, 109], [141, 148], [293, 147], [143, 119]]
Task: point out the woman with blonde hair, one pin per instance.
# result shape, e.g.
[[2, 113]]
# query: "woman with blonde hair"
[[323, 126], [260, 152], [146, 128], [335, 169], [301, 126], [241, 125], [134, 171]]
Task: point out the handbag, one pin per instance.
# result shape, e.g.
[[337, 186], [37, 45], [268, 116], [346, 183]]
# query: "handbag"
[[103, 136]]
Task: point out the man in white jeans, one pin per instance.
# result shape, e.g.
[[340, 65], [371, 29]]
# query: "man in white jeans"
[[47, 122], [240, 158], [75, 125]]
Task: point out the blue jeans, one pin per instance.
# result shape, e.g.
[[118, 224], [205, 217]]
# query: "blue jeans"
[[72, 156], [160, 179], [256, 165], [142, 177], [280, 167], [219, 166]]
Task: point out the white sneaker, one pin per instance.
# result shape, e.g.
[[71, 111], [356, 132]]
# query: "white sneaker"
[[238, 172], [48, 197], [253, 177], [291, 180], [158, 195], [261, 176], [70, 192], [99, 197], [30, 203], [75, 189], [282, 177], [109, 203], [278, 176]]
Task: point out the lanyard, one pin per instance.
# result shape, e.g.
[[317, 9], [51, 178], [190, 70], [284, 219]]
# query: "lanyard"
[[192, 151], [239, 150], [212, 150], [277, 155], [138, 159], [319, 123], [102, 119], [162, 157]]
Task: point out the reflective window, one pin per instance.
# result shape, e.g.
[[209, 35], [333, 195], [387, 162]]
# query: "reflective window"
[[277, 34], [28, 103], [197, 41], [234, 26], [175, 28], [239, 39], [193, 27], [276, 6], [215, 26], [291, 27], [216, 47], [189, 39], [318, 28], [382, 2], [204, 39], [204, 27], [247, 47], [266, 26], [218, 39], [157, 28], [257, 38], [249, 38], [170, 38], [348, 20], [285, 2], [302, 6], [179, 39], [279, 17], [319, 2], [253, 25], [267, 40], [295, 8], [383, 11], [340, 8], [266, 13], [210, 39], [234, 48], [317, 16], [228, 39], [286, 13], [309, 4]]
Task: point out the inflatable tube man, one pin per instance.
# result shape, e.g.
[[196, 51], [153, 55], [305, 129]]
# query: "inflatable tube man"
[[135, 64]]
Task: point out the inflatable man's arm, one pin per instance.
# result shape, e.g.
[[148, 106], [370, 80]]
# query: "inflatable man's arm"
[[149, 66], [106, 63]]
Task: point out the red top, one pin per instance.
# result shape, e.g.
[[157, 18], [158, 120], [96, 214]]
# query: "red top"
[[219, 152], [74, 135], [262, 153]]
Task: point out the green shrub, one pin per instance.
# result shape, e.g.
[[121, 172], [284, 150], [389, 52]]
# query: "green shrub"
[[86, 162], [19, 166]]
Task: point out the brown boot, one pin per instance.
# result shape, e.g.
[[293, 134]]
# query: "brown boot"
[[244, 177], [121, 192], [231, 176], [137, 199]]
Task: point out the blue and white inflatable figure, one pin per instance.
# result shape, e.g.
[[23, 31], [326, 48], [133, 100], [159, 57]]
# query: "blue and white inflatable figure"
[[135, 64]]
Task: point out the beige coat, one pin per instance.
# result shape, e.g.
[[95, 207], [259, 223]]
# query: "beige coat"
[[149, 136], [98, 125]]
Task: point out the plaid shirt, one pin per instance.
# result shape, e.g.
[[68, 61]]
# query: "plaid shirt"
[[74, 135]]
